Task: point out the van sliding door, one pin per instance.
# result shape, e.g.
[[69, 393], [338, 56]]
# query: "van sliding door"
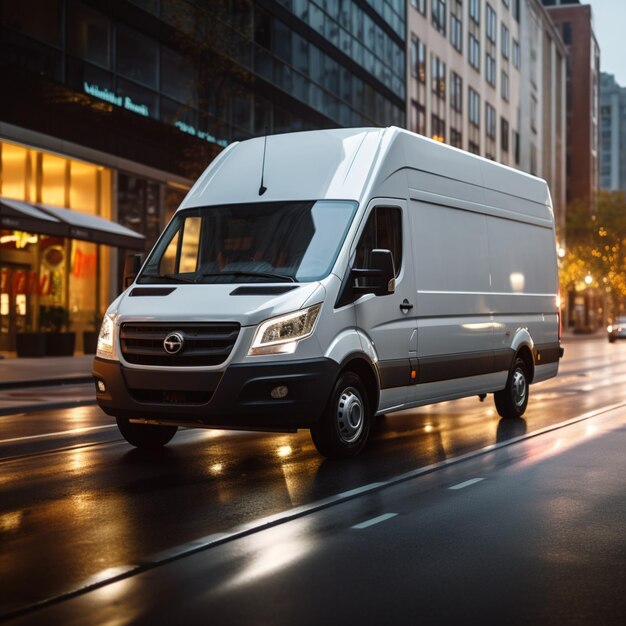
[[453, 307]]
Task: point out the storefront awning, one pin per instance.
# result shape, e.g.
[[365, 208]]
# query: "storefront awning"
[[43, 219]]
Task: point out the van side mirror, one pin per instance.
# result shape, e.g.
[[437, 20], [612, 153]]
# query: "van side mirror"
[[381, 275], [132, 265]]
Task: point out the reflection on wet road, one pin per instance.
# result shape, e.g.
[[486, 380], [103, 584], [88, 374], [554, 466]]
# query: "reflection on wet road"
[[77, 499]]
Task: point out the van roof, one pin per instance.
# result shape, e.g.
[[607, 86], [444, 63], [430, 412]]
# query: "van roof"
[[346, 163]]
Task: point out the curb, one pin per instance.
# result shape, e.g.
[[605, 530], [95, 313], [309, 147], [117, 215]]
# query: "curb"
[[51, 382], [51, 406]]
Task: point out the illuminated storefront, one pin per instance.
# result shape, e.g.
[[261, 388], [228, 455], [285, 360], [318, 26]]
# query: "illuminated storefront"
[[54, 274]]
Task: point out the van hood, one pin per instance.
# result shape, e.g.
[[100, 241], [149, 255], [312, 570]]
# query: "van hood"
[[249, 305]]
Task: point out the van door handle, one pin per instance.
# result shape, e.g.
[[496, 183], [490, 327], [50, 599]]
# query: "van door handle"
[[406, 306]]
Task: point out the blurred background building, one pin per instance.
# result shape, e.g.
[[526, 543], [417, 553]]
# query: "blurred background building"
[[543, 110], [574, 20], [612, 134]]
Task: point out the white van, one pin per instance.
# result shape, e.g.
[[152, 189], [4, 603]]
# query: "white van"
[[318, 279]]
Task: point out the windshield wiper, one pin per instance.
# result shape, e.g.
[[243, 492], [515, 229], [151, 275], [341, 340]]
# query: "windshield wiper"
[[259, 274], [169, 277]]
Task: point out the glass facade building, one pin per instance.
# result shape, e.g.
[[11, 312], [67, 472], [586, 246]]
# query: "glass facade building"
[[113, 107]]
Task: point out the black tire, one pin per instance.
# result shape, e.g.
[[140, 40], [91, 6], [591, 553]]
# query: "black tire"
[[146, 436], [513, 399], [611, 339], [344, 427]]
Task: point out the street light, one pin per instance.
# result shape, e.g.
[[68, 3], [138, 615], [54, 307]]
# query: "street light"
[[588, 279]]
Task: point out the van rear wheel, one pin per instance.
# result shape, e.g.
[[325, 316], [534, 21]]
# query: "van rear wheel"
[[344, 427], [148, 436], [513, 399]]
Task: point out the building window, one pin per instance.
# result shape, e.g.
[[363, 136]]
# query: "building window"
[[473, 147], [491, 24], [456, 25], [516, 147], [418, 59], [474, 10], [517, 59], [505, 42], [178, 80], [456, 92], [490, 121], [438, 77], [438, 15], [490, 69], [89, 35], [39, 271], [505, 86], [533, 113], [516, 10], [474, 52], [474, 108], [567, 33], [456, 138], [504, 134], [136, 56], [438, 127], [420, 5], [506, 3], [413, 57], [418, 118]]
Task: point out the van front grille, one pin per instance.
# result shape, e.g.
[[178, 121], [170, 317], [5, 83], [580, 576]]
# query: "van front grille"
[[207, 343]]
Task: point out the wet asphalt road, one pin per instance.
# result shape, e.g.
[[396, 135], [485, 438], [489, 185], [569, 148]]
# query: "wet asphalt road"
[[77, 500]]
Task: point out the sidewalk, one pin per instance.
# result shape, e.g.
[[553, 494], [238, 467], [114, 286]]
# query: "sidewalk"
[[46, 371], [28, 385]]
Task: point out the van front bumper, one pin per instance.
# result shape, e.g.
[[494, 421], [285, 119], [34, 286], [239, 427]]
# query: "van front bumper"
[[239, 397]]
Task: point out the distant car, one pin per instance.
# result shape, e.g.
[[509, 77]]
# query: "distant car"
[[617, 330]]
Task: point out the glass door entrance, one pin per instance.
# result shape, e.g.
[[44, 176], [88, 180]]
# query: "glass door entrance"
[[15, 306]]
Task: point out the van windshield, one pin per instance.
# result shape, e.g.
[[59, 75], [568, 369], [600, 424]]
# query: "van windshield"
[[244, 243]]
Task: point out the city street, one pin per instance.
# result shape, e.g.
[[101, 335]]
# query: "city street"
[[258, 528]]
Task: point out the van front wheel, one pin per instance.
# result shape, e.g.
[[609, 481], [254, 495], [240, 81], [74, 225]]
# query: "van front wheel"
[[147, 436], [513, 399], [344, 427]]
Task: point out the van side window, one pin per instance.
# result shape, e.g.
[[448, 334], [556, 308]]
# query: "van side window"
[[383, 230]]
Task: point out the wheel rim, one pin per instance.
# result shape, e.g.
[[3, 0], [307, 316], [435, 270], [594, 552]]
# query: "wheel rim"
[[350, 415], [519, 388]]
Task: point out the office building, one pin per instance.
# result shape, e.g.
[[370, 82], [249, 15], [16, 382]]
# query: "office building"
[[463, 74], [113, 108], [574, 20], [543, 110], [612, 134]]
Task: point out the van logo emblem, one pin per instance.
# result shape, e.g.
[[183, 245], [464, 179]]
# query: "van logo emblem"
[[173, 343]]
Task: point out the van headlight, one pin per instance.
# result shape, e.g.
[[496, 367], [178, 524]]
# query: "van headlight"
[[280, 335], [105, 339]]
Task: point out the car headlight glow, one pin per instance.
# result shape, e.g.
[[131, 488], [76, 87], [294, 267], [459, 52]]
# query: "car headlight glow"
[[105, 339], [280, 335]]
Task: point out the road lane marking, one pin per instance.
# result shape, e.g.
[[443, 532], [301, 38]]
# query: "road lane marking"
[[202, 544], [74, 431], [374, 520], [466, 483]]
